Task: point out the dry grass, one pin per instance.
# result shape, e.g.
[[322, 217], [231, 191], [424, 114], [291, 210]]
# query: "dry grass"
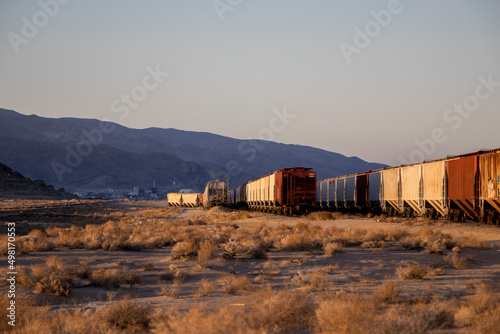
[[235, 283], [346, 314], [114, 278], [321, 215]]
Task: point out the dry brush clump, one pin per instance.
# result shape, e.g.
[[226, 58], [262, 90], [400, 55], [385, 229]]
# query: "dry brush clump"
[[332, 249], [114, 278], [235, 283], [52, 277], [411, 272]]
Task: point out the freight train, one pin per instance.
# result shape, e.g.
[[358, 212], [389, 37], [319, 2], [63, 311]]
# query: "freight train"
[[458, 188], [286, 191]]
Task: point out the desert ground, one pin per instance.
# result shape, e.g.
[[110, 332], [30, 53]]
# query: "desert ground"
[[120, 267]]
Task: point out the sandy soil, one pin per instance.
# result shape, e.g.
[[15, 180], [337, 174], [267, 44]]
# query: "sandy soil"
[[354, 269]]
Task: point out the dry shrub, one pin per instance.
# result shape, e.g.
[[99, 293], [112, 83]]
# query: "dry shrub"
[[332, 249], [169, 290], [387, 293], [298, 242], [346, 314], [411, 272], [185, 249], [435, 247], [473, 242], [206, 252], [48, 278], [23, 306], [455, 261], [201, 320], [421, 318], [374, 244], [320, 215], [174, 274], [128, 315], [206, 288], [481, 312], [114, 278], [233, 248], [397, 234], [233, 283], [279, 311]]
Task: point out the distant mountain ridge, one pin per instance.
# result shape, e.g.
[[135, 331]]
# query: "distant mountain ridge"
[[15, 185], [88, 154]]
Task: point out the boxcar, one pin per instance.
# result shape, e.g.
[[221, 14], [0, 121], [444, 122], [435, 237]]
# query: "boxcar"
[[340, 193], [489, 189], [285, 191]]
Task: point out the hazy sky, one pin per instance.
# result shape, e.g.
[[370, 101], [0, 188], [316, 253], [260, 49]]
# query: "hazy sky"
[[357, 80]]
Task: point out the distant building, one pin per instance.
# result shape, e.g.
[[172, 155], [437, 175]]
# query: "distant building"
[[138, 191]]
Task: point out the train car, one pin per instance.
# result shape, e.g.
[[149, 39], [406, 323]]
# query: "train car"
[[390, 190], [174, 199], [374, 186], [287, 191], [410, 191], [216, 193], [340, 194], [350, 192], [434, 189], [489, 187], [462, 185], [361, 193]]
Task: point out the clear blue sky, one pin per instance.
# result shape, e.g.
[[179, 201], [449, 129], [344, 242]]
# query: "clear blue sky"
[[226, 76]]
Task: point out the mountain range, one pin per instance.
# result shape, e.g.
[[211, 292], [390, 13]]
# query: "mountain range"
[[89, 155]]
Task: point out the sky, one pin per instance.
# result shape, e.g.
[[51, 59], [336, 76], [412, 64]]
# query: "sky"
[[388, 81]]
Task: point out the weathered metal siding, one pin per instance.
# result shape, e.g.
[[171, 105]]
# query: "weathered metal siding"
[[462, 178], [410, 182], [390, 179], [331, 192], [374, 183], [340, 193], [434, 186], [190, 200], [361, 190], [350, 189], [324, 193], [390, 188], [462, 184], [174, 199], [489, 167], [433, 176], [318, 192]]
